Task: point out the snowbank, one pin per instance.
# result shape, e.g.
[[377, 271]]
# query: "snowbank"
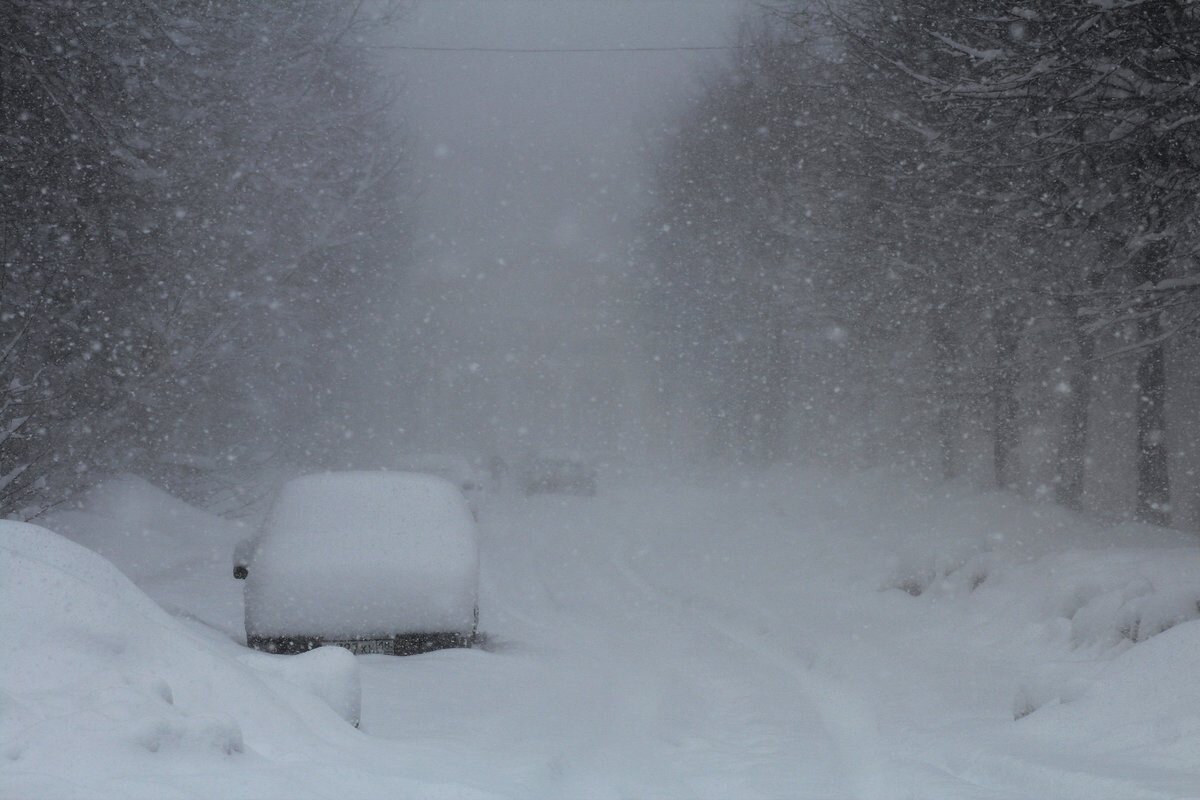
[[176, 553], [789, 633], [104, 694], [364, 554], [143, 530], [330, 673]]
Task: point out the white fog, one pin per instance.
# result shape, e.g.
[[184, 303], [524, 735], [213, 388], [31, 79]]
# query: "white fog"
[[521, 303]]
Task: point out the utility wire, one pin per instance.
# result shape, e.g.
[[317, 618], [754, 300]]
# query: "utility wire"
[[682, 48]]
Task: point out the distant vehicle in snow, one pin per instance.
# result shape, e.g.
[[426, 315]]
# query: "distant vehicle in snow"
[[559, 473], [376, 562], [459, 470]]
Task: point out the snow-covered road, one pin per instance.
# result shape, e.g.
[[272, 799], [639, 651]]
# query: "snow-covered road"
[[789, 634], [704, 638], [633, 653]]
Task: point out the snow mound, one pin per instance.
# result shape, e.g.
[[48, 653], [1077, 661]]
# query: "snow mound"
[[330, 673], [99, 683], [176, 553], [142, 529], [1141, 705], [364, 554]]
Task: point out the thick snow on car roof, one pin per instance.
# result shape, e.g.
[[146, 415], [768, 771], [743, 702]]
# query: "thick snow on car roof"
[[364, 554]]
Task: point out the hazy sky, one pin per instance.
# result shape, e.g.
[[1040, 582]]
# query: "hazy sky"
[[532, 169], [537, 160]]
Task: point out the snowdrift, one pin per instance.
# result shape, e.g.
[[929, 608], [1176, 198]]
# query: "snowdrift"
[[176, 553], [104, 694], [723, 633], [143, 530]]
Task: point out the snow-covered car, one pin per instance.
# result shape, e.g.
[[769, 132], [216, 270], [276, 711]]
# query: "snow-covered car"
[[459, 470], [376, 562], [559, 473]]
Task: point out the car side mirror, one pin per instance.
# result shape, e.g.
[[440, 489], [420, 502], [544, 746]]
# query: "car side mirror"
[[243, 551]]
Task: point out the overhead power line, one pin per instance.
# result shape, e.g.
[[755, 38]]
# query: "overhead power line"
[[681, 48]]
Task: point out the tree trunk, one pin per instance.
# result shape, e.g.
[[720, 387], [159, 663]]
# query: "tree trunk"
[[773, 409], [1006, 331], [1071, 458], [1153, 479], [945, 362], [871, 446]]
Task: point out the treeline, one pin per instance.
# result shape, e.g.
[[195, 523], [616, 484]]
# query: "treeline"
[[956, 232], [200, 215]]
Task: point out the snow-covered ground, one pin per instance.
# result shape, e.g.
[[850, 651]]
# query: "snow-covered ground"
[[790, 634]]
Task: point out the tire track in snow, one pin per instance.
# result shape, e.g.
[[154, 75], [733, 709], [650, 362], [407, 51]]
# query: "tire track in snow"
[[845, 717]]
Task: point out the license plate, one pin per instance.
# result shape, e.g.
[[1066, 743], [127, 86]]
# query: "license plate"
[[362, 647]]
